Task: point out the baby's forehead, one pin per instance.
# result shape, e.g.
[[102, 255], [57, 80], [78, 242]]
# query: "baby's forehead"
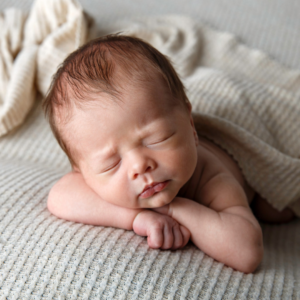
[[149, 91], [144, 90], [141, 102]]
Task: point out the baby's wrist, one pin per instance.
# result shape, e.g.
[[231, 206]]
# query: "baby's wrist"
[[177, 206], [164, 210]]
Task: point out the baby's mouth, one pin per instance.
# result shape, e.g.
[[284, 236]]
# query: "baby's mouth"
[[153, 188]]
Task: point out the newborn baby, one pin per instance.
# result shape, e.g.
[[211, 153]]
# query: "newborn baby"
[[120, 112]]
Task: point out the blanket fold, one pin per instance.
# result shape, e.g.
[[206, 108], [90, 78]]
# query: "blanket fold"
[[31, 48]]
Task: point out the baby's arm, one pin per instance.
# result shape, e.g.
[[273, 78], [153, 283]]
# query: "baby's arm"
[[73, 200], [225, 229]]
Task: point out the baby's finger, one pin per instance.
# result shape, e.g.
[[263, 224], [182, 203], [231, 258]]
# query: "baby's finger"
[[168, 237], [185, 234], [155, 238], [178, 237]]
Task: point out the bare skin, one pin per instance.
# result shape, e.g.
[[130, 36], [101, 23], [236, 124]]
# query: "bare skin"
[[149, 172], [263, 211]]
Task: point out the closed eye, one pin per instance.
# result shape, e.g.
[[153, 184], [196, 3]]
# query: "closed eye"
[[162, 140], [111, 167]]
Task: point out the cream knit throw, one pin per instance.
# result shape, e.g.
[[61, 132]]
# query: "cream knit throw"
[[30, 51]]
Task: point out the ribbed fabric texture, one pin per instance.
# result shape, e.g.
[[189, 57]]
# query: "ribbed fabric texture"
[[30, 51], [42, 257]]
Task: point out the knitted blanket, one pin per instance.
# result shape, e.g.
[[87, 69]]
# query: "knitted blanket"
[[30, 51], [242, 100]]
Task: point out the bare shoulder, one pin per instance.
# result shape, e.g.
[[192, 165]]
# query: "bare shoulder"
[[218, 181], [65, 193]]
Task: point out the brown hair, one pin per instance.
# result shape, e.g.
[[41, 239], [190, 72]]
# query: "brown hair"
[[90, 70]]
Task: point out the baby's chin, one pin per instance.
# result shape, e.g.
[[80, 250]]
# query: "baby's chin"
[[157, 200]]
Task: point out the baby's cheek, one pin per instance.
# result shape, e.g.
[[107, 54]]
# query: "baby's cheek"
[[94, 185], [187, 153], [186, 162], [97, 184]]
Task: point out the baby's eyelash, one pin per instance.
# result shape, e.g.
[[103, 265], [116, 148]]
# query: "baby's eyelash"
[[162, 140], [111, 167]]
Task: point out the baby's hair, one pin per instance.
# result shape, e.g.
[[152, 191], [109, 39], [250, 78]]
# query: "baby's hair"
[[90, 70]]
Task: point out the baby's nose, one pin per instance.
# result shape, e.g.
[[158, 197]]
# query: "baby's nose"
[[141, 164]]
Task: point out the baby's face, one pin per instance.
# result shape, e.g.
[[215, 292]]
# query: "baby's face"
[[138, 152]]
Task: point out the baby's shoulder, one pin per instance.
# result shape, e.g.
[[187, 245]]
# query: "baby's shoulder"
[[213, 161], [216, 160]]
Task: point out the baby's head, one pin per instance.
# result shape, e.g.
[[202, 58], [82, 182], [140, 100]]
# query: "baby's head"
[[119, 111]]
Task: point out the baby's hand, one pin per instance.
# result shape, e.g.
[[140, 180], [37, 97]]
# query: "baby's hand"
[[162, 231]]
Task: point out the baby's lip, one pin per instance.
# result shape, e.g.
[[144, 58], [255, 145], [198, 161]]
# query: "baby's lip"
[[148, 186], [153, 188]]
